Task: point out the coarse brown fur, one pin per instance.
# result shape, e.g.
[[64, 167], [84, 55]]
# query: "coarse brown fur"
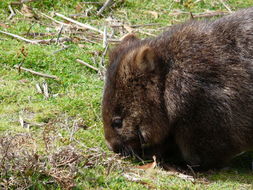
[[187, 91]]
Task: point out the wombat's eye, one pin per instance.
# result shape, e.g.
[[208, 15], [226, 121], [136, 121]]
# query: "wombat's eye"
[[117, 122]]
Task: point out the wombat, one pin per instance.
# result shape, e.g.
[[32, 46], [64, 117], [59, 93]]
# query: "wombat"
[[187, 92]]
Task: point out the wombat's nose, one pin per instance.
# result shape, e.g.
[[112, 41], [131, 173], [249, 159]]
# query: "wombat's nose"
[[114, 146]]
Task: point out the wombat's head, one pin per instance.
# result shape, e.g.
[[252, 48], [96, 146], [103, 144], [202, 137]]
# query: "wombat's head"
[[133, 109]]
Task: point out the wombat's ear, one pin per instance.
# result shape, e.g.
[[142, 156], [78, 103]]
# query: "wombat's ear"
[[145, 59], [129, 38]]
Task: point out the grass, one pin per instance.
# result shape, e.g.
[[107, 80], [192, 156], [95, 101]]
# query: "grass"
[[62, 146]]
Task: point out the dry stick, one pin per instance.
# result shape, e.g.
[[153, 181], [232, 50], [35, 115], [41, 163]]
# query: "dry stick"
[[47, 41], [21, 2], [197, 1], [59, 34], [78, 14], [85, 14], [19, 37], [175, 13], [34, 34], [101, 64], [87, 64], [45, 89], [67, 162], [103, 55], [28, 31], [89, 2], [106, 4], [192, 171], [79, 23], [66, 47], [12, 12], [111, 40], [36, 73], [37, 41], [191, 15], [88, 40], [21, 121], [58, 22], [105, 37], [27, 1], [38, 88], [143, 25], [226, 6], [147, 33], [211, 14]]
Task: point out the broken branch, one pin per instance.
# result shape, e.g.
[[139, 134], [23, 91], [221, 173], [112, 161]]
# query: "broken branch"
[[36, 73], [49, 17], [19, 37], [12, 12], [209, 14], [59, 34], [47, 41], [106, 4], [79, 23], [87, 64], [226, 6]]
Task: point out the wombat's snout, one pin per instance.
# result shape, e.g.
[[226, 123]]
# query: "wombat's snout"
[[114, 146]]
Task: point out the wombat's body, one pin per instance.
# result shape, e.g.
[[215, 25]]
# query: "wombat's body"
[[190, 90]]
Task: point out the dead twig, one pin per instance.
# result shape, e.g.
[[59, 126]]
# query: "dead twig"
[[36, 73], [144, 25], [39, 90], [87, 26], [18, 37], [106, 4], [192, 171], [51, 18], [79, 15], [91, 2], [199, 15], [105, 37], [146, 33], [66, 47], [38, 34], [191, 15], [67, 162], [226, 6], [28, 31], [88, 40], [111, 40], [83, 14], [45, 89], [23, 123], [103, 55], [87, 64], [197, 1], [21, 2], [59, 34], [12, 12], [209, 14], [27, 1], [48, 41]]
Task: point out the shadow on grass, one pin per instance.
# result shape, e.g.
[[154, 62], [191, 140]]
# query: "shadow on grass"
[[239, 170]]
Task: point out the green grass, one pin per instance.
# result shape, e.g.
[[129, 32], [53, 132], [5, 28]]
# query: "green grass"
[[71, 117]]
